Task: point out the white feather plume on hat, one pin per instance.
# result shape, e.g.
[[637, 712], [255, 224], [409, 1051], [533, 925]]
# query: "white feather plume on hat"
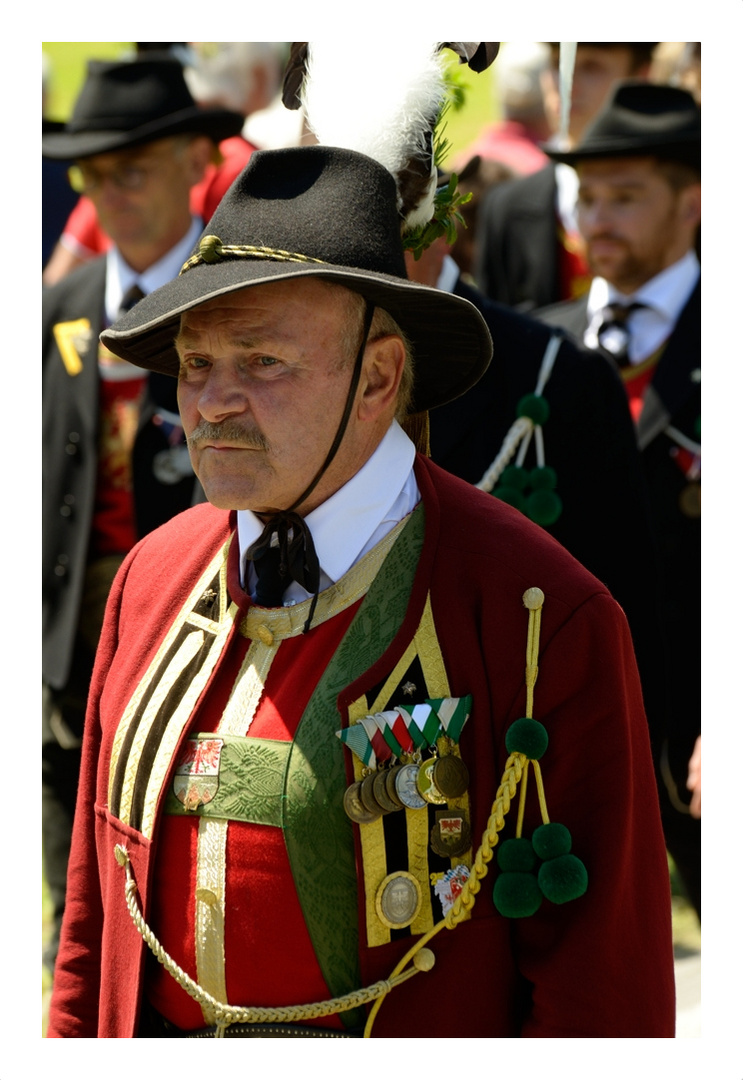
[[359, 100]]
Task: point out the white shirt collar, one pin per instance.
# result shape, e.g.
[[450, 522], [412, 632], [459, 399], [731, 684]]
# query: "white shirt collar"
[[353, 520], [665, 297], [120, 277], [667, 292]]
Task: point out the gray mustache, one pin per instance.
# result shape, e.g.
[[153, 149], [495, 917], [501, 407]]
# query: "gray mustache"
[[227, 431]]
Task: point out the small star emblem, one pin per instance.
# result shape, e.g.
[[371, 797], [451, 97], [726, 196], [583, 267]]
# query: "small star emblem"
[[409, 688]]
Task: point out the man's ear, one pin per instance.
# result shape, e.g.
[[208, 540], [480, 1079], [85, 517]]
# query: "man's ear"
[[691, 204], [199, 153], [384, 360]]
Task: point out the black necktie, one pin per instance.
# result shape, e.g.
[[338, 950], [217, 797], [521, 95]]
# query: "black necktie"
[[129, 299], [613, 334]]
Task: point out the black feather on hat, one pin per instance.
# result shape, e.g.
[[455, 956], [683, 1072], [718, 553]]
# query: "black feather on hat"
[[129, 103]]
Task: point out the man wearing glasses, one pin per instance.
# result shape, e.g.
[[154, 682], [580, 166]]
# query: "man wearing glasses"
[[115, 464]]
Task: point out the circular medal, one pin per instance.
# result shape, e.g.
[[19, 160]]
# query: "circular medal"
[[390, 779], [398, 900], [366, 795], [451, 776], [407, 789], [355, 808], [690, 501], [380, 792], [451, 836], [426, 786]]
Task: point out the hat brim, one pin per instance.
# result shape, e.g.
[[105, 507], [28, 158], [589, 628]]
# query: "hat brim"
[[451, 342], [675, 149], [71, 145]]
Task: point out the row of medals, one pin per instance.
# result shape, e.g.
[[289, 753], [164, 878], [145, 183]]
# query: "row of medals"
[[414, 785]]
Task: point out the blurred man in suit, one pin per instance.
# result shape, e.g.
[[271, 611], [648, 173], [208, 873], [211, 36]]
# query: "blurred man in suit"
[[639, 211], [529, 250], [139, 142]]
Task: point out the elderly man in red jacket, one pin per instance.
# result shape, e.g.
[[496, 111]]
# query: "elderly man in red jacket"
[[318, 699]]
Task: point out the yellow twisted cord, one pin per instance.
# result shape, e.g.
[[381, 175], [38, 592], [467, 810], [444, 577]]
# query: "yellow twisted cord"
[[235, 1014], [466, 899], [211, 250], [516, 767]]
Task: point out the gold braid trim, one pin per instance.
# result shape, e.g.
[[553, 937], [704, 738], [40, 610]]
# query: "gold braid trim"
[[235, 1014], [211, 250]]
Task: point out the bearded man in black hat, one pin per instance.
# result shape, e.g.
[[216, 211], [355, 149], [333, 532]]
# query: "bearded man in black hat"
[[639, 211], [528, 250], [138, 142], [310, 719]]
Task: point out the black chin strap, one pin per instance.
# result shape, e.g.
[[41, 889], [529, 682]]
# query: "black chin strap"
[[293, 556]]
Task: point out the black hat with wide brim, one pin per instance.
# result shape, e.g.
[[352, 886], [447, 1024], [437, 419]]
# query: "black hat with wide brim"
[[642, 119], [322, 212], [127, 104]]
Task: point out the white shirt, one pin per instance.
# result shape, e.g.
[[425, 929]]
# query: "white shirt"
[[665, 295], [120, 277], [353, 520]]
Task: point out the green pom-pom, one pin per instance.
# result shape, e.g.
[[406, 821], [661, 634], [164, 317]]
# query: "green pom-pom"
[[527, 736], [552, 840], [544, 507], [535, 407], [515, 476], [512, 496], [543, 478], [517, 896], [562, 879], [516, 855]]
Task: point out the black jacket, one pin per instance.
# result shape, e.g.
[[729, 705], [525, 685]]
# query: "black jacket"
[[673, 398], [70, 431]]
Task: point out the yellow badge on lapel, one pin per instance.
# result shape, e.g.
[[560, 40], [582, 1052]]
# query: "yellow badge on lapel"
[[73, 341]]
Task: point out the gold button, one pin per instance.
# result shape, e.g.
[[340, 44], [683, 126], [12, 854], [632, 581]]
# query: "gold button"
[[533, 598], [206, 896], [265, 635]]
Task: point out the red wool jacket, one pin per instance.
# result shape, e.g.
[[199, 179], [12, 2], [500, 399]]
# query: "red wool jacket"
[[600, 966]]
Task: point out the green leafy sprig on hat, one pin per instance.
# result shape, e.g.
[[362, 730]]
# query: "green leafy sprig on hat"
[[447, 199]]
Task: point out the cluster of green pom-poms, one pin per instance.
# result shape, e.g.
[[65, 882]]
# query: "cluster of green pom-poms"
[[532, 491], [520, 887]]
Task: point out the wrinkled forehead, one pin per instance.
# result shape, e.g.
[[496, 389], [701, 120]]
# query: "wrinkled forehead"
[[301, 307], [281, 299]]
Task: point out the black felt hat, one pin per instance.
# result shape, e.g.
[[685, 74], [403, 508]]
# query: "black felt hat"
[[642, 119], [131, 103], [314, 211]]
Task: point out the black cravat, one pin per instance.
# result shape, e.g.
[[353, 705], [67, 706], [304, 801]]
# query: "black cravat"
[[284, 552], [613, 334]]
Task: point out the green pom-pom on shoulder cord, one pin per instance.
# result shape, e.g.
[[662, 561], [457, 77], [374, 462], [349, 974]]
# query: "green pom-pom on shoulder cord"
[[534, 407], [551, 840], [516, 855], [527, 736], [562, 879], [517, 895]]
